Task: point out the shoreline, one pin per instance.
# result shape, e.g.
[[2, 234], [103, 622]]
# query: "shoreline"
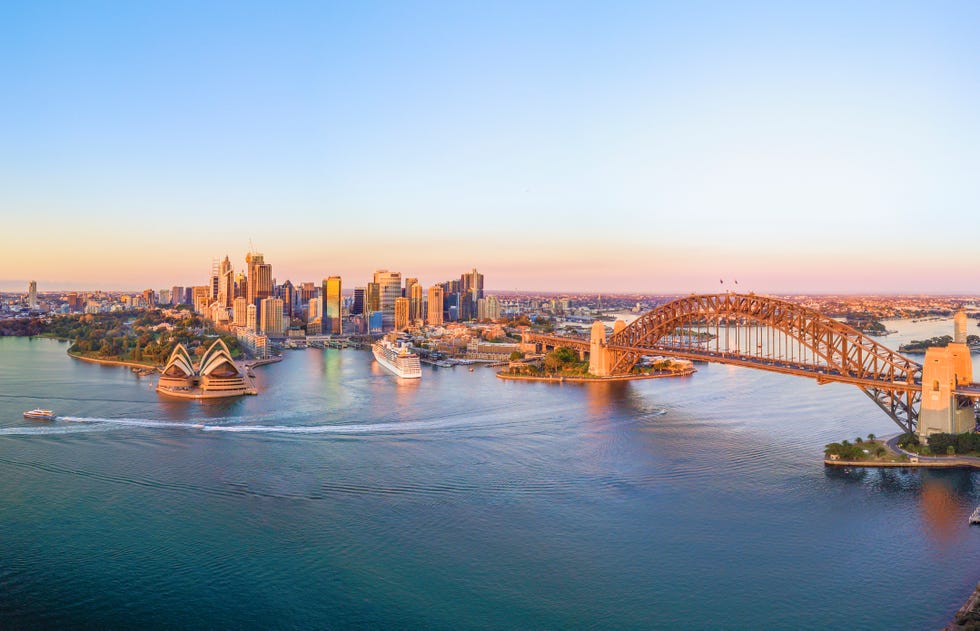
[[113, 362], [929, 464], [561, 379], [968, 614]]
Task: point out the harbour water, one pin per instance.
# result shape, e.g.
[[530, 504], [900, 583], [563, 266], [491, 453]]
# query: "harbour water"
[[341, 497]]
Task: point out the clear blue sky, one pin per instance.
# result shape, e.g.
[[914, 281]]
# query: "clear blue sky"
[[569, 146]]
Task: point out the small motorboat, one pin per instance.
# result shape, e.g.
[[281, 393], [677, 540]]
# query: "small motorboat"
[[38, 414], [975, 517]]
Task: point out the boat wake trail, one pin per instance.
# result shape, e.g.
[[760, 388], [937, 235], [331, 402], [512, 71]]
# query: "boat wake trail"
[[402, 427], [133, 422]]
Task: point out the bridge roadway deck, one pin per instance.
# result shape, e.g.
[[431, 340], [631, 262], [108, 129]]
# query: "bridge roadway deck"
[[821, 374]]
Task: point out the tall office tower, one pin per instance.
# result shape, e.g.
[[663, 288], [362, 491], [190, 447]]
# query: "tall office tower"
[[201, 298], [481, 309], [32, 295], [288, 294], [271, 313], [373, 298], [471, 288], [176, 295], [472, 283], [240, 312], [314, 309], [333, 308], [435, 305], [401, 313], [415, 304], [413, 291], [259, 277], [407, 292], [226, 283], [163, 297], [308, 291], [357, 307], [241, 285], [213, 280], [390, 287], [251, 317]]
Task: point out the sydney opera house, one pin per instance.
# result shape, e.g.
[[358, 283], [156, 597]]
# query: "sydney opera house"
[[215, 376]]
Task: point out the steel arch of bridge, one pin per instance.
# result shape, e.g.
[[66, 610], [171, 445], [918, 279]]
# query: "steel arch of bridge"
[[798, 341]]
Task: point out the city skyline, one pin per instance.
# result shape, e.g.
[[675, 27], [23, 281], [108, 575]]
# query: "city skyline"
[[647, 148]]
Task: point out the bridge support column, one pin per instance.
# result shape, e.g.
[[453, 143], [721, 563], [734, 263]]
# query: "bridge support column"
[[941, 411], [601, 359]]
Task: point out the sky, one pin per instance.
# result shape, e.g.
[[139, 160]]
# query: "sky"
[[565, 146]]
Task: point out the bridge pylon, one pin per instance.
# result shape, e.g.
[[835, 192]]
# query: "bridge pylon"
[[603, 362], [941, 409]]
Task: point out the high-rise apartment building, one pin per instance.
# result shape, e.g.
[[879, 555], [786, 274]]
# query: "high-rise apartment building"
[[332, 306], [32, 295], [434, 316], [259, 277], [251, 317], [401, 313], [271, 313], [488, 308]]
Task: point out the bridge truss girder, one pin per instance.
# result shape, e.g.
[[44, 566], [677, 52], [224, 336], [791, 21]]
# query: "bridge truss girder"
[[829, 350]]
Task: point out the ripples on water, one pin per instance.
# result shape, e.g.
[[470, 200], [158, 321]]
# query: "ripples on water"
[[340, 497]]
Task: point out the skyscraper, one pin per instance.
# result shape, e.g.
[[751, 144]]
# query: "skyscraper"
[[226, 283], [493, 308], [288, 295], [390, 288], [259, 277], [471, 290], [373, 297], [434, 316], [488, 308], [240, 312], [251, 319], [413, 291], [332, 306], [401, 313], [32, 295], [357, 307], [271, 310]]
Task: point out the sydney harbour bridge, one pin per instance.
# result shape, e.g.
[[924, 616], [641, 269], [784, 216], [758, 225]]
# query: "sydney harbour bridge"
[[781, 336]]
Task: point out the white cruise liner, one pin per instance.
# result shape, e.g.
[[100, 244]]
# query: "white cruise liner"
[[397, 358]]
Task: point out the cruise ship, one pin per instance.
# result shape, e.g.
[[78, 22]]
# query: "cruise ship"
[[397, 358]]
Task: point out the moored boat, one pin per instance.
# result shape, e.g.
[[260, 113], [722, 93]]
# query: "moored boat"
[[975, 517], [38, 414]]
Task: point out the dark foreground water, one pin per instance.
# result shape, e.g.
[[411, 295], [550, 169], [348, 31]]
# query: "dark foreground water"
[[341, 497]]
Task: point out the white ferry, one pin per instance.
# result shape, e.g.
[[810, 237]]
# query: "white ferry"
[[975, 517], [397, 358], [39, 415]]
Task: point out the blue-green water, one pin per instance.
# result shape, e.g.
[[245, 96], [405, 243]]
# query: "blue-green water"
[[342, 497]]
